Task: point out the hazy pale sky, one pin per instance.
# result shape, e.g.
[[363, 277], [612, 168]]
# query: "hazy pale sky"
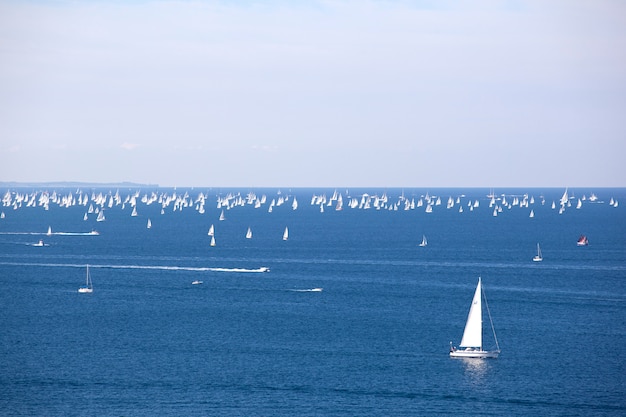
[[314, 93]]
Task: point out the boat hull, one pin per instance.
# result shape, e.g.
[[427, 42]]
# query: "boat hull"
[[474, 354]]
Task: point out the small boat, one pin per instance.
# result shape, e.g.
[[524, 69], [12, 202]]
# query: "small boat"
[[538, 257], [101, 217], [49, 232], [582, 241], [249, 234], [149, 225], [40, 243], [88, 288], [424, 241], [472, 339], [212, 240], [211, 231], [197, 282], [286, 234], [222, 217]]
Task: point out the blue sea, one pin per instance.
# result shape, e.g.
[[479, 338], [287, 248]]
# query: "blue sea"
[[372, 340]]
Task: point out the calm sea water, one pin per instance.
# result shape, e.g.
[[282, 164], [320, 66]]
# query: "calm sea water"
[[374, 342]]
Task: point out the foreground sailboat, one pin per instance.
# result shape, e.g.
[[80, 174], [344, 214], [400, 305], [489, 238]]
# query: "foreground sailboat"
[[472, 341], [89, 285], [538, 257], [424, 241]]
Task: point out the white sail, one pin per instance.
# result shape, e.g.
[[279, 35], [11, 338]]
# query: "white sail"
[[564, 198], [286, 234], [211, 231], [424, 241], [473, 334], [249, 234], [149, 224], [538, 257], [101, 217], [212, 240]]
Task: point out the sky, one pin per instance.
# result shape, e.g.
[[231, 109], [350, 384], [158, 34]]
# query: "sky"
[[320, 93]]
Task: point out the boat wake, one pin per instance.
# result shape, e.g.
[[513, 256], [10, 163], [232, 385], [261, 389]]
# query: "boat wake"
[[152, 267], [92, 233]]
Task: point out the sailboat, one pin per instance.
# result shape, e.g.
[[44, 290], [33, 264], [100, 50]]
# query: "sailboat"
[[101, 217], [286, 234], [149, 224], [424, 242], [472, 340], [538, 257], [89, 286], [212, 241], [249, 234], [211, 231]]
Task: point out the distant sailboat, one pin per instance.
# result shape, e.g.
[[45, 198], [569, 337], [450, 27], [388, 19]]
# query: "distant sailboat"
[[212, 240], [211, 231], [101, 217], [88, 288], [49, 232], [222, 217], [538, 257], [472, 339], [85, 217], [286, 234], [249, 234], [149, 225], [424, 242], [582, 241]]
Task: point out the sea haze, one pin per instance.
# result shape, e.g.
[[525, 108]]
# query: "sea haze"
[[352, 318]]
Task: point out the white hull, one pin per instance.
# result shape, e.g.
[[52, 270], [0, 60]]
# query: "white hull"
[[469, 353], [85, 290]]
